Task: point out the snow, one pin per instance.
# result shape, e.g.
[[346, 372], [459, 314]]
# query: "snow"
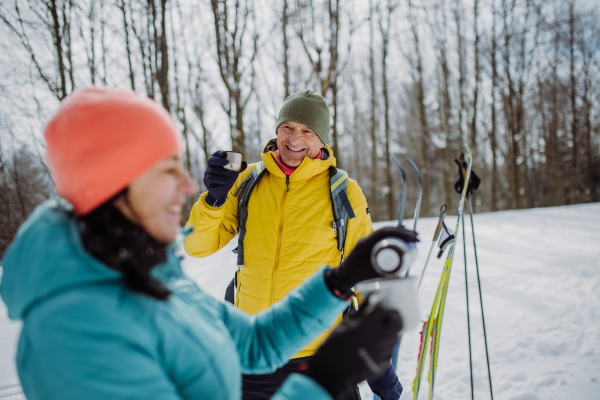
[[540, 277]]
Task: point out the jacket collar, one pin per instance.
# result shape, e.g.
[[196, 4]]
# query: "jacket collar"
[[308, 169], [47, 257]]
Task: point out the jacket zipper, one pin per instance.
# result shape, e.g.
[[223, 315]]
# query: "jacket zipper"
[[279, 235]]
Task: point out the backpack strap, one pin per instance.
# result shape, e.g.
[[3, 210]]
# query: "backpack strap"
[[342, 209], [245, 190]]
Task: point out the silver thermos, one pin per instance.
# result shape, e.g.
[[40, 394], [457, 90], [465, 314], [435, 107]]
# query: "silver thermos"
[[392, 256]]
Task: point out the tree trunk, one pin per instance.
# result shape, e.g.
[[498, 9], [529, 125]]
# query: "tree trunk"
[[553, 157], [286, 66], [461, 68], [334, 130], [473, 132], [162, 49], [385, 33], [510, 113], [56, 35], [67, 17], [588, 182], [239, 136], [422, 110], [575, 175], [127, 45], [373, 126], [447, 164], [493, 133], [334, 24]]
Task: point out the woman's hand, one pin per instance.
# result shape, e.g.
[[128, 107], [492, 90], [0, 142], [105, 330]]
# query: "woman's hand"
[[358, 349], [357, 266]]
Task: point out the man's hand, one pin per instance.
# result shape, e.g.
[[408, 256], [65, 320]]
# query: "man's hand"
[[218, 180]]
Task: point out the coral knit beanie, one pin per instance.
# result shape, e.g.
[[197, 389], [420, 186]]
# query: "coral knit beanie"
[[101, 139]]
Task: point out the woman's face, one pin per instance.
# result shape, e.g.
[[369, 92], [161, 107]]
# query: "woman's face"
[[155, 199]]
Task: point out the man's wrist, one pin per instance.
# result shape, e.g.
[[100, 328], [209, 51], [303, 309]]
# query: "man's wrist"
[[211, 201]]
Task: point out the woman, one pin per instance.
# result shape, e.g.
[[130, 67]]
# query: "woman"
[[107, 312]]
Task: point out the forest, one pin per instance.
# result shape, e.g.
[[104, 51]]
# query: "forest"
[[517, 80]]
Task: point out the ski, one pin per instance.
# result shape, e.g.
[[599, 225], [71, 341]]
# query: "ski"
[[400, 219], [435, 320], [396, 350], [403, 196], [418, 205], [419, 196]]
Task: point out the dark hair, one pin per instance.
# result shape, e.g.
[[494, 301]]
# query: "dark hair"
[[124, 246]]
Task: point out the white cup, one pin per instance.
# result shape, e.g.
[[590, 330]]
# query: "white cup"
[[235, 161], [399, 294]]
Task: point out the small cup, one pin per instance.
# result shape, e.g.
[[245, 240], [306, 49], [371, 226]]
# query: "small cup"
[[235, 161], [396, 293]]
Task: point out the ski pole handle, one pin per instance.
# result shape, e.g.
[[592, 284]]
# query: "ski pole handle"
[[392, 256]]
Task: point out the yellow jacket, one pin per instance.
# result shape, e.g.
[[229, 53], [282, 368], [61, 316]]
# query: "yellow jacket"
[[288, 230]]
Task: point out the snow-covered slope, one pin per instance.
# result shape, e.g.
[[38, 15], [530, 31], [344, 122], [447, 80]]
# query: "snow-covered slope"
[[540, 275]]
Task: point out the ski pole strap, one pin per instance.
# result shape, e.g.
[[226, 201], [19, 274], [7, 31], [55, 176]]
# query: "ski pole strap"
[[245, 190], [446, 239], [342, 209], [438, 228]]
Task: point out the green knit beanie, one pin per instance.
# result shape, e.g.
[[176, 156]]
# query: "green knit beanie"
[[307, 108]]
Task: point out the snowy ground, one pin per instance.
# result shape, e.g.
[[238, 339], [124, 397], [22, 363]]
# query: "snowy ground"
[[540, 275]]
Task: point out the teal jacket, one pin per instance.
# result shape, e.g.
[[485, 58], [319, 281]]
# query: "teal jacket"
[[87, 336]]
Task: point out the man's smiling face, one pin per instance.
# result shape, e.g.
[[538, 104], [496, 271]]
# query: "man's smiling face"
[[295, 142]]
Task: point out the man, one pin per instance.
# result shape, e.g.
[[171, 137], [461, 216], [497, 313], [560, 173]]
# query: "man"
[[288, 232]]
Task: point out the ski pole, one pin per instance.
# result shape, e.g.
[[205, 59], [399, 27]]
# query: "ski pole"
[[487, 354], [467, 295], [448, 268]]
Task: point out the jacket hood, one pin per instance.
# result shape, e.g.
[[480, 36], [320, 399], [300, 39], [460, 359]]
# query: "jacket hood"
[[47, 257], [306, 170]]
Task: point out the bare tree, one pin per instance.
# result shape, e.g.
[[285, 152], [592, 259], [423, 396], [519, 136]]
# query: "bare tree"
[[578, 189], [314, 47], [123, 7], [513, 96], [416, 61], [493, 135], [375, 190], [439, 27], [587, 55], [286, 45], [384, 28], [460, 48], [477, 71], [230, 36], [54, 17]]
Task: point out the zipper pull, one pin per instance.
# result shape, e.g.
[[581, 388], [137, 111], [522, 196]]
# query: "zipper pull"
[[287, 183]]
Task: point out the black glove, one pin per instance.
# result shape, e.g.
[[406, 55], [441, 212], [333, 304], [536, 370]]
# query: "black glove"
[[357, 266], [360, 348], [474, 180], [218, 180]]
